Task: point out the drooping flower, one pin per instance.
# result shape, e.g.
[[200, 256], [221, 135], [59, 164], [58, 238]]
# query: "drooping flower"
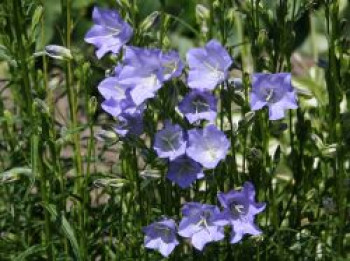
[[208, 66], [207, 146], [198, 224], [184, 171], [109, 33], [239, 211], [130, 124], [161, 236], [170, 141], [199, 105], [275, 91]]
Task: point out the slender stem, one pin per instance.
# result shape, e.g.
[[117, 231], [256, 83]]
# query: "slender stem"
[[72, 100]]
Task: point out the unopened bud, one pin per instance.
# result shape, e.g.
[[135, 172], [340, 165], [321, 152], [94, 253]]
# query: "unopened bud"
[[202, 12], [92, 107], [106, 136], [149, 21], [57, 52]]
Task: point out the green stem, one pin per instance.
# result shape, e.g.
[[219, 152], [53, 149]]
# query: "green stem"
[[72, 100]]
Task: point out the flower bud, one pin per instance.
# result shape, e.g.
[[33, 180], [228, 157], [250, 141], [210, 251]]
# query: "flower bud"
[[58, 52], [149, 21], [106, 136], [202, 13]]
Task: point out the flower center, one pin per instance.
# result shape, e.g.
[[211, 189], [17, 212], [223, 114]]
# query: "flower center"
[[200, 105], [170, 141], [237, 209]]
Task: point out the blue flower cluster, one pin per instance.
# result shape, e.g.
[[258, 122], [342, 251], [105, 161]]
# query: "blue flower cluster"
[[203, 223], [139, 76]]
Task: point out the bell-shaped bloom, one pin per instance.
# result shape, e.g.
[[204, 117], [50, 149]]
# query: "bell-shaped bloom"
[[198, 224], [109, 33], [147, 69], [142, 69], [199, 105], [208, 66], [161, 236], [130, 124], [172, 65], [184, 171], [207, 146], [275, 91], [239, 211], [170, 141]]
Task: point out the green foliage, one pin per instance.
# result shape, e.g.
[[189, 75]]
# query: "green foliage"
[[65, 195]]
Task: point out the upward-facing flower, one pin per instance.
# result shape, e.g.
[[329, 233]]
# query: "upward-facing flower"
[[198, 224], [208, 66], [142, 70], [161, 236], [199, 105], [147, 69], [275, 91], [207, 146], [170, 142], [239, 211], [109, 33]]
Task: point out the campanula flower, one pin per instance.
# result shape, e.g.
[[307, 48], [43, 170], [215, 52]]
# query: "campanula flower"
[[274, 91], [184, 171], [109, 33], [172, 65], [207, 146], [239, 211], [170, 141], [208, 66], [130, 124], [147, 69], [161, 236], [199, 105], [198, 224]]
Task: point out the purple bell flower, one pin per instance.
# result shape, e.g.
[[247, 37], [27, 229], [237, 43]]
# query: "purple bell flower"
[[172, 65], [143, 71], [130, 124], [184, 171], [208, 66], [161, 236], [170, 141], [109, 33], [199, 105], [239, 211], [198, 224], [147, 69], [207, 146], [275, 91]]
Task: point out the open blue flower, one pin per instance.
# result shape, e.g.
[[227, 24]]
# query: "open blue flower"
[[147, 69], [207, 146], [198, 224], [109, 33], [130, 124], [170, 142], [161, 236], [184, 171], [199, 105], [275, 91], [208, 66], [172, 65], [239, 211]]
